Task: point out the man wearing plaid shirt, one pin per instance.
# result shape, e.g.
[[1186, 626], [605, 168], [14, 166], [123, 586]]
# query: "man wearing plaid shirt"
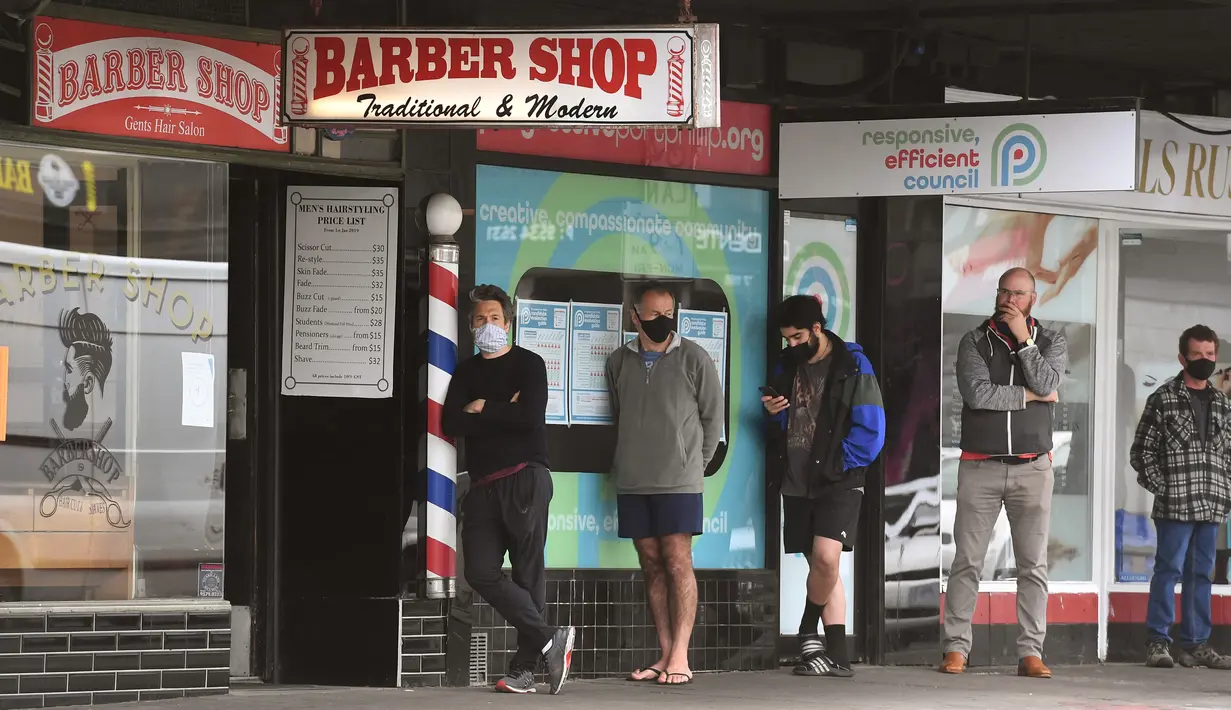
[[1182, 455]]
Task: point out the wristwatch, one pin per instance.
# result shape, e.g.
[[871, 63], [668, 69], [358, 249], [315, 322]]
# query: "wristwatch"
[[1028, 343]]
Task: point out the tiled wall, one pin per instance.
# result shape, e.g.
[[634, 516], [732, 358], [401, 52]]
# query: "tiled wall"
[[423, 643], [736, 628], [54, 656]]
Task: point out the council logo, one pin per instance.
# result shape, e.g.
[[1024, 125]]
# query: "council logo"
[[1019, 155]]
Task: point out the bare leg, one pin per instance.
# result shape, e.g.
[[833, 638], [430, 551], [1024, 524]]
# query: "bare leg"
[[650, 553], [677, 554], [824, 579]]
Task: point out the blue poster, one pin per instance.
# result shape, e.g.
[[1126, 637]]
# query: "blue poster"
[[595, 335], [542, 327]]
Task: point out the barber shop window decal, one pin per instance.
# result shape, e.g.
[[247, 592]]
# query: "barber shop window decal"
[[76, 466]]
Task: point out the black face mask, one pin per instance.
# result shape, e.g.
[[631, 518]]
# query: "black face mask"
[[805, 351], [659, 329], [1200, 369]]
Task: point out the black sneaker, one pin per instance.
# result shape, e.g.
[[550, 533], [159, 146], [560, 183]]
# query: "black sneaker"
[[821, 665], [1202, 657], [810, 645], [559, 658], [1158, 655], [520, 681]]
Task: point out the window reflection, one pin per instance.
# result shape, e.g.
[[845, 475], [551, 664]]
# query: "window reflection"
[[980, 245], [113, 304], [1170, 280], [911, 385]]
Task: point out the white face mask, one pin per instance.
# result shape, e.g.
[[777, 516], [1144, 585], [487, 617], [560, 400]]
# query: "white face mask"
[[490, 338]]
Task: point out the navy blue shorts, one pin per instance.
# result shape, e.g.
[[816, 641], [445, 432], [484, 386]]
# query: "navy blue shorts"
[[659, 515]]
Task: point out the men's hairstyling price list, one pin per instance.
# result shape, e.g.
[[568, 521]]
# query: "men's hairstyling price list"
[[596, 333], [542, 328], [340, 294]]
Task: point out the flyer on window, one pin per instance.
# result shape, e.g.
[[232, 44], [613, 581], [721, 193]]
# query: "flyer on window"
[[542, 328], [595, 335]]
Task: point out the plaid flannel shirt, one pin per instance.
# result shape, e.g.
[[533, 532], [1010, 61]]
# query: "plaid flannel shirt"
[[1190, 478]]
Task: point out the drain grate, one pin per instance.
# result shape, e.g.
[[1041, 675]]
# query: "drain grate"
[[478, 659]]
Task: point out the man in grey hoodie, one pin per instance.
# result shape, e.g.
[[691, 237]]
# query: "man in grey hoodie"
[[667, 403]]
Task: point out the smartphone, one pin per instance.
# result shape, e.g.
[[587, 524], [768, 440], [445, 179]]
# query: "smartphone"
[[769, 391]]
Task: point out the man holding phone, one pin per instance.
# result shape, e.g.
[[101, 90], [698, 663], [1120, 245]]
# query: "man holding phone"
[[824, 433]]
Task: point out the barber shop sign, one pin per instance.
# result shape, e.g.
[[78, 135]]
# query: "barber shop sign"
[[620, 77]]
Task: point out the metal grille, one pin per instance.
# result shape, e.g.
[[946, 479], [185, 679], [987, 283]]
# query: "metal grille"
[[229, 12], [478, 659]]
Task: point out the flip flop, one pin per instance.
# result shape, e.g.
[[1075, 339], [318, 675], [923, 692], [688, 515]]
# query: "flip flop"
[[687, 679], [652, 679]]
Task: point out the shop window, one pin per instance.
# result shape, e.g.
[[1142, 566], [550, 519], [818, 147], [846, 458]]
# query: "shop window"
[[579, 244], [592, 448], [1169, 280], [979, 246], [113, 305]]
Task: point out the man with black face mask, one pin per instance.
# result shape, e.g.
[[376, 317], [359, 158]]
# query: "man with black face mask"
[[827, 426], [667, 404], [1181, 455]]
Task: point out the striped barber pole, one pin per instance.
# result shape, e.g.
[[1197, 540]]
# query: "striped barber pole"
[[441, 459]]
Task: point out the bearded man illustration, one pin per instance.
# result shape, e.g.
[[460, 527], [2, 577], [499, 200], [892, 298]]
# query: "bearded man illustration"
[[87, 362]]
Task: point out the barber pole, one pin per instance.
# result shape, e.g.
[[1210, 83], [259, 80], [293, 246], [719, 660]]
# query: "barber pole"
[[441, 469]]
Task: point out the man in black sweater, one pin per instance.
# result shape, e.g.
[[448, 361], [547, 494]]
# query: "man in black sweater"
[[497, 403]]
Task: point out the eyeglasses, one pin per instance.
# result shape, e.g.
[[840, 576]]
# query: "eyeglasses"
[[1014, 294]]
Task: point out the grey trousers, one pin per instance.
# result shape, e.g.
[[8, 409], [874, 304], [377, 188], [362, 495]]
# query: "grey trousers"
[[1025, 492]]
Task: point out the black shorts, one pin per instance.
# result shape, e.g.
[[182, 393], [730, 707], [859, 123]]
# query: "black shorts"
[[834, 516], [658, 515]]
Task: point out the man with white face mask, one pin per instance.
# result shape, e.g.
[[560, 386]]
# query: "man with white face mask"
[[497, 403]]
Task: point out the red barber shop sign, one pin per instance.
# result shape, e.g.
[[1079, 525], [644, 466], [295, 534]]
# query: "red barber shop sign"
[[620, 76], [124, 81]]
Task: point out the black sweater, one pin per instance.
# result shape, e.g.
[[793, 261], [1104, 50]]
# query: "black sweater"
[[505, 433]]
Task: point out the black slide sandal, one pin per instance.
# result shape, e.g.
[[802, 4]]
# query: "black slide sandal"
[[687, 679]]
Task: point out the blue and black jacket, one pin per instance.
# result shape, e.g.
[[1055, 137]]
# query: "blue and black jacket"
[[850, 430]]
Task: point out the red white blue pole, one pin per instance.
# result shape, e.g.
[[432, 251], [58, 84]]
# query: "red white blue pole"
[[443, 219]]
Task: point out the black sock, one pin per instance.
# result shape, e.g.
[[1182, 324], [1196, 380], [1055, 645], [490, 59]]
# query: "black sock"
[[835, 645], [812, 618]]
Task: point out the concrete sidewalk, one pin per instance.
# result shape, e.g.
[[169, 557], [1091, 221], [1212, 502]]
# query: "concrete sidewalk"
[[1115, 687]]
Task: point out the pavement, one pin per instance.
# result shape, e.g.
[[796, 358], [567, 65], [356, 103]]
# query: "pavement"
[[1110, 687]]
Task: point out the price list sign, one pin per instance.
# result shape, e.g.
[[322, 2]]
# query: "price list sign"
[[596, 333], [340, 295], [542, 327]]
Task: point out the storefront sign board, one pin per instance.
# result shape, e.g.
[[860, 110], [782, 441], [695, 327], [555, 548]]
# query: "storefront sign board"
[[137, 83], [1073, 152], [631, 76], [340, 295], [741, 146]]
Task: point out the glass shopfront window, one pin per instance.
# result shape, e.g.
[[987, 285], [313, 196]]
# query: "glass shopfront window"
[[979, 246], [113, 307], [1169, 280]]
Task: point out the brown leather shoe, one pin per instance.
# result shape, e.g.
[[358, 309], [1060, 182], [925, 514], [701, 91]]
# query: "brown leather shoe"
[[953, 664], [1032, 667]]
